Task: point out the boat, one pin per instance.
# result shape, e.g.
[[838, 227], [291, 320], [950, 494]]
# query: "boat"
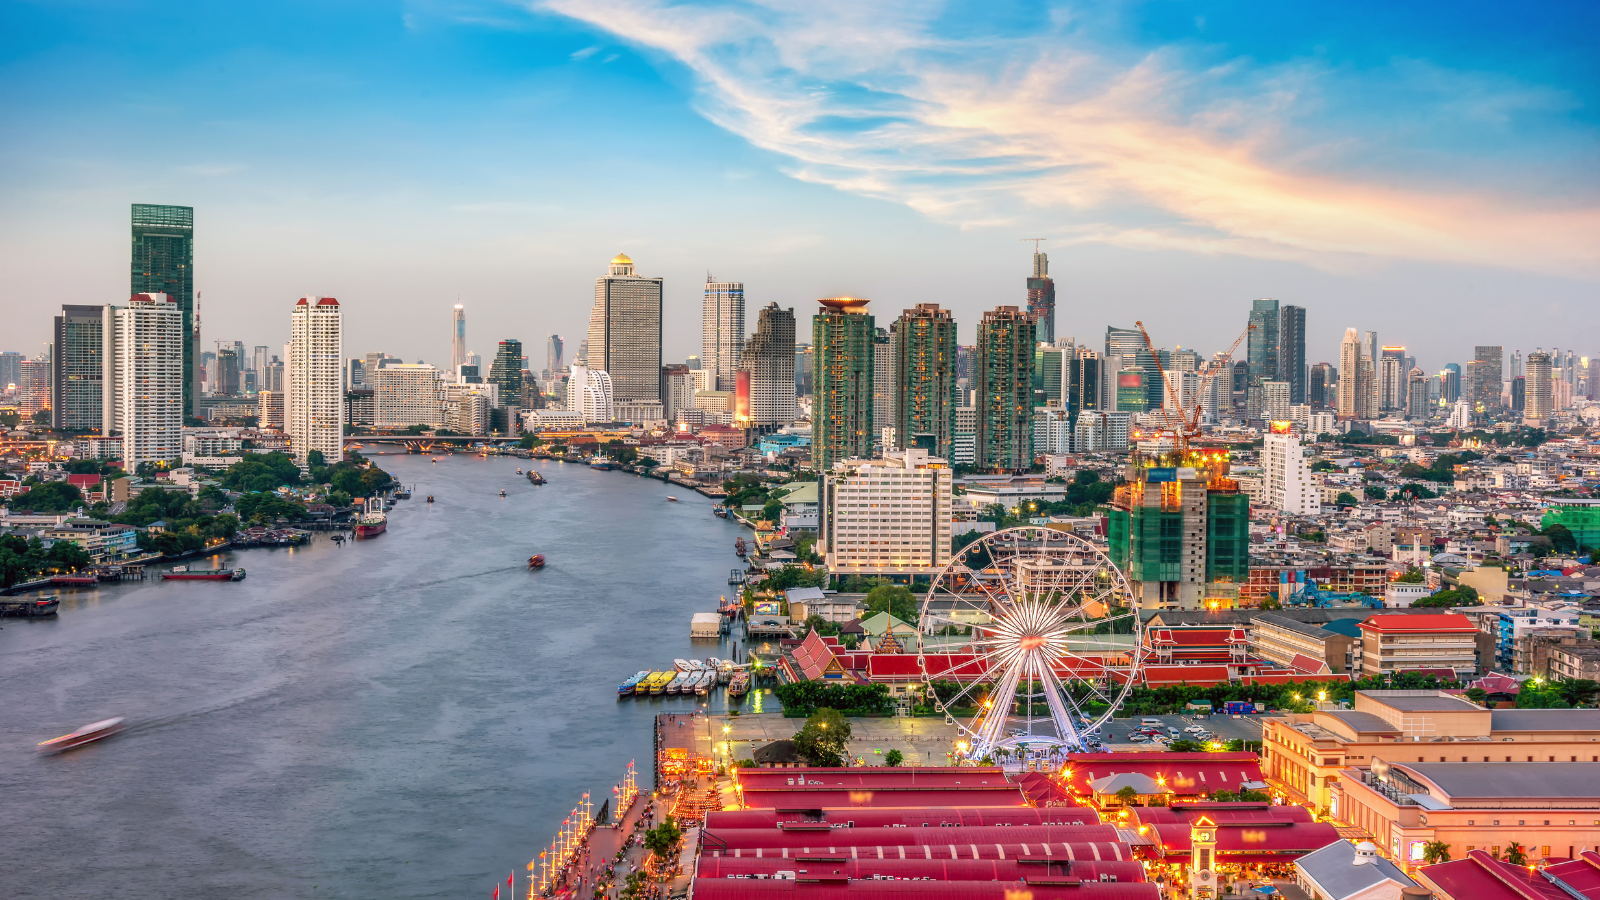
[[682, 665], [720, 512], [632, 684], [184, 573], [736, 576], [659, 682], [536, 561], [502, 492], [677, 683], [713, 663], [29, 607], [88, 734], [703, 685], [672, 499], [337, 538], [740, 684], [403, 494], [430, 498], [436, 460], [534, 477], [519, 471], [371, 524], [739, 546]]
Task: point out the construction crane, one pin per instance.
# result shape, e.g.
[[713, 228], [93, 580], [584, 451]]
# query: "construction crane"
[[1184, 421], [1035, 242]]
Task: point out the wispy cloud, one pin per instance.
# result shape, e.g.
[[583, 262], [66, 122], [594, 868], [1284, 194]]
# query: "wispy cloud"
[[1144, 151], [585, 53]]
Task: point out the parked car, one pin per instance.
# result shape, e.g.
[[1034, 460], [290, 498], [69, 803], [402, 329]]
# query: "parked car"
[[1137, 737], [1194, 729]]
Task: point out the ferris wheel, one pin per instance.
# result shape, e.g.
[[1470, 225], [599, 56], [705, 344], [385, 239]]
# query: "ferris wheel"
[[1028, 637]]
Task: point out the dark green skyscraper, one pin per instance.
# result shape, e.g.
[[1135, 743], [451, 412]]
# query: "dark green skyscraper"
[[1003, 377], [842, 338], [506, 371], [925, 376], [163, 263]]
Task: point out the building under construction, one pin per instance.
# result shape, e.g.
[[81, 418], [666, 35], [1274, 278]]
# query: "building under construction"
[[1180, 530]]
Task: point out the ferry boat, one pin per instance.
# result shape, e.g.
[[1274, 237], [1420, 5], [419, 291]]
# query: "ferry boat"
[[184, 573], [682, 665], [740, 684], [536, 561], [720, 512], [703, 685], [739, 546], [632, 684], [534, 477], [29, 607], [88, 734], [677, 684], [602, 463], [659, 682]]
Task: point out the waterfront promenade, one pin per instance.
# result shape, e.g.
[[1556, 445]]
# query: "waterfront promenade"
[[407, 716]]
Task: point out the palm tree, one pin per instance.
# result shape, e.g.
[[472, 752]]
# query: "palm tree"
[[1434, 852], [1516, 854]]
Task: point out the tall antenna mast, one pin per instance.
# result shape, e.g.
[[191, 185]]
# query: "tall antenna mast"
[[1035, 242]]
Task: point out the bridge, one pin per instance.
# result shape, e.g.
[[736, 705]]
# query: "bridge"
[[415, 443]]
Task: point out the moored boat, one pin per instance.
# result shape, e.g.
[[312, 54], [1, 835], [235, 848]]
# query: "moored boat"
[[184, 573], [536, 561], [677, 683], [739, 546], [632, 684], [88, 734], [739, 685], [29, 607], [682, 665], [720, 512], [659, 682], [703, 684], [372, 521], [672, 498]]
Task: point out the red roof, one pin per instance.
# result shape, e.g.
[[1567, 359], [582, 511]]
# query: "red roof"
[[817, 889], [1452, 623], [1291, 678], [952, 666], [1182, 773], [301, 302], [1581, 874], [910, 817], [1195, 675], [83, 480], [1309, 665], [1480, 876], [327, 301], [985, 838], [812, 656], [940, 868]]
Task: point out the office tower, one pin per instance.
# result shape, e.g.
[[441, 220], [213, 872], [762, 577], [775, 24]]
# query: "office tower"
[[883, 389], [1292, 351], [1126, 348], [1539, 394], [274, 376], [1003, 378], [1348, 403], [1591, 368], [458, 339], [1488, 376], [924, 376], [553, 361], [408, 394], [10, 369], [802, 368], [842, 340], [1418, 406], [143, 397], [693, 362], [1370, 351], [1317, 385], [355, 373], [722, 331], [769, 358], [1286, 477], [1262, 344], [259, 359], [857, 537], [1132, 396], [506, 373], [226, 381], [1042, 300], [590, 395], [269, 411], [1391, 379], [314, 406], [678, 389], [1516, 365], [1450, 383], [1519, 393], [625, 332], [77, 387], [1216, 397], [1049, 366], [1275, 401], [33, 388], [163, 262], [1182, 536]]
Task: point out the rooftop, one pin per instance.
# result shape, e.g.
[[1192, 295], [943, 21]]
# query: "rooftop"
[[1363, 722], [1421, 701], [1333, 869], [1545, 719], [1533, 782]]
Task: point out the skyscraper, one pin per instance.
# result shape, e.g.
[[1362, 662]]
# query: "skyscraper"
[[1317, 385], [883, 389], [1417, 408], [1262, 344], [1004, 383], [924, 378], [1042, 299], [1126, 348], [1349, 364], [803, 358], [1450, 383], [506, 372], [553, 361], [769, 357], [1292, 351], [77, 387], [1082, 393], [1539, 403], [458, 340], [1488, 375], [314, 407], [625, 332], [842, 335], [163, 263], [722, 332], [226, 382], [144, 396], [1392, 373]]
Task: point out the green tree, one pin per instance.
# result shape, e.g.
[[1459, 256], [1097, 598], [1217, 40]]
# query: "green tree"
[[661, 839], [1413, 575], [42, 417], [893, 758], [1435, 852], [261, 472], [10, 419], [49, 497], [1346, 498], [1477, 695], [1561, 539], [1127, 794], [894, 599], [1448, 598], [1374, 492], [825, 738], [1184, 745], [1516, 854]]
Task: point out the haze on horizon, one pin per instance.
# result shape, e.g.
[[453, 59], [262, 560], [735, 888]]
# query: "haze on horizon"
[[1427, 172]]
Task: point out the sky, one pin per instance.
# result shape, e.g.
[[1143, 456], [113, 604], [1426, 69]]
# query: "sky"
[[1426, 170]]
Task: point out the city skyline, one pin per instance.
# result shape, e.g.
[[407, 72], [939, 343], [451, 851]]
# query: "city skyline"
[[815, 222]]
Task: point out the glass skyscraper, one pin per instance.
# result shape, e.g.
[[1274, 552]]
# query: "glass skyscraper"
[[163, 263], [843, 342]]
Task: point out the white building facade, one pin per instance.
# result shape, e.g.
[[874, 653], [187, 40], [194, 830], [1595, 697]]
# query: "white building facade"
[[314, 406], [142, 385], [1286, 479], [590, 394], [408, 394], [888, 516]]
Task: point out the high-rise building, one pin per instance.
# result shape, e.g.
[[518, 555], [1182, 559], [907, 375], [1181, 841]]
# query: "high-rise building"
[[678, 390], [1003, 379], [77, 388], [1488, 377], [1275, 401], [1449, 384], [883, 389], [10, 369], [506, 372], [553, 362], [1262, 344], [1181, 534], [885, 516], [1132, 395], [1539, 400], [273, 380], [1519, 394], [1392, 374], [33, 387], [1371, 348], [408, 394], [269, 411], [1292, 351], [163, 263], [625, 332], [144, 393], [802, 369], [1417, 406], [226, 381], [722, 332], [1516, 365], [458, 339], [1317, 394], [1348, 404], [1082, 393], [842, 338], [259, 359], [314, 407], [1286, 478], [1042, 299], [589, 394], [769, 358], [924, 376]]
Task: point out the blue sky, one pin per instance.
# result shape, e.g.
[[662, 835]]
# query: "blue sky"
[[1423, 169]]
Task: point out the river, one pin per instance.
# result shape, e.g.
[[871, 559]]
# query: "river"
[[407, 716]]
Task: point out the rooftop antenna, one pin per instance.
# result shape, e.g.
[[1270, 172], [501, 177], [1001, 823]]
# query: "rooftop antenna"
[[1035, 242]]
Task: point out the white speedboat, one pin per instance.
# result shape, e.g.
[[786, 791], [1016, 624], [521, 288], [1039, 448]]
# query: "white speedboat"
[[682, 665], [706, 680], [677, 684], [88, 734]]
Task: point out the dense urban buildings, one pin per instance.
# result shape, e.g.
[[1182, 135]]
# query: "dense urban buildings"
[[1181, 533], [768, 361], [842, 338], [163, 262], [590, 395], [924, 376], [625, 331], [1003, 381], [314, 399]]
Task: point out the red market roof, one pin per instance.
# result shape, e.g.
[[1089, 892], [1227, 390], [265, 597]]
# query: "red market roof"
[[975, 842], [1292, 678], [1193, 675], [940, 868], [818, 889], [1451, 623], [1479, 876], [927, 817], [1182, 773], [83, 480], [1581, 874], [901, 666]]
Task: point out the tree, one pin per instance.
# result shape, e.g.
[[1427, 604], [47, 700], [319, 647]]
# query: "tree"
[[1449, 598], [42, 417], [1413, 575], [661, 839], [824, 739], [1127, 794], [1516, 854], [49, 497], [1435, 852], [1477, 695], [315, 459], [10, 419], [261, 472], [1561, 539], [893, 758], [1374, 492], [1184, 745], [894, 599], [1346, 498]]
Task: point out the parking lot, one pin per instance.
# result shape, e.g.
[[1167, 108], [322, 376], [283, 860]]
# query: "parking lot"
[[1221, 728]]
